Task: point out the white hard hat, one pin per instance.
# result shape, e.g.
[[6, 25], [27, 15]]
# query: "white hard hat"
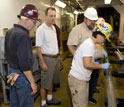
[[100, 20], [91, 13]]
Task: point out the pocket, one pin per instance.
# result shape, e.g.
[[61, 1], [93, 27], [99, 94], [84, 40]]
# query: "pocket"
[[21, 82], [44, 75]]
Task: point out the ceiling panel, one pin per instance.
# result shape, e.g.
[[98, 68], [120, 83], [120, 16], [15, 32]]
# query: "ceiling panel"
[[82, 4]]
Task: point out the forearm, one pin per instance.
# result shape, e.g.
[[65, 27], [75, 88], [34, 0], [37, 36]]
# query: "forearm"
[[39, 53], [29, 76], [89, 64], [93, 65], [72, 49]]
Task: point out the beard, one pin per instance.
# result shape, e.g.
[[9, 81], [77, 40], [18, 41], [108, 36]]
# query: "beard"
[[91, 27]]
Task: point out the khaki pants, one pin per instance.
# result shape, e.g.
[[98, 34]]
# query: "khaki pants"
[[79, 91], [47, 76]]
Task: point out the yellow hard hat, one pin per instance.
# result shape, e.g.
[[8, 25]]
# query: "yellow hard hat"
[[106, 29]]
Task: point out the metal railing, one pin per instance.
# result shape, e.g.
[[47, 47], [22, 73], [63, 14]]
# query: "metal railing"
[[111, 99]]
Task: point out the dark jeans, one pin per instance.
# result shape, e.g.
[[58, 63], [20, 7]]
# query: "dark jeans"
[[20, 92], [93, 82], [94, 79]]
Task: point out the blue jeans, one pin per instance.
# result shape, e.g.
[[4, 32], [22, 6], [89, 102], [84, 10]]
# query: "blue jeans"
[[93, 82], [20, 92]]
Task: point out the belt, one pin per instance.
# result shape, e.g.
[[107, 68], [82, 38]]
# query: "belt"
[[51, 56]]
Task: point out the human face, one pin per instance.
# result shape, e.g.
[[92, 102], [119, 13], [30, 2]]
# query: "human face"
[[90, 23], [50, 17], [30, 24], [100, 39]]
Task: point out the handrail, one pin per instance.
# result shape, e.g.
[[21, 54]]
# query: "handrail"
[[119, 55], [115, 47], [110, 90]]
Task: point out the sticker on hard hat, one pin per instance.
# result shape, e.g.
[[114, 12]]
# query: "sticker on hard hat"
[[30, 12], [108, 33], [101, 25], [106, 28]]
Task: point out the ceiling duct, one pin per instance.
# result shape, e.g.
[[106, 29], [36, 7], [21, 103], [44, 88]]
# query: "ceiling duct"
[[73, 3], [52, 2], [97, 2]]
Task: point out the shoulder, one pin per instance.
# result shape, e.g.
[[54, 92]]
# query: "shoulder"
[[18, 33], [41, 27], [87, 42], [40, 30], [77, 27]]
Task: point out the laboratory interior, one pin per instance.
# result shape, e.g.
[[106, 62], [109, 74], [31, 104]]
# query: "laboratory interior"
[[108, 89]]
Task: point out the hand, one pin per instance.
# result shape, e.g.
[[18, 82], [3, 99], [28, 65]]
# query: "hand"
[[12, 78], [96, 62], [34, 88], [105, 66], [44, 67], [104, 54], [60, 59]]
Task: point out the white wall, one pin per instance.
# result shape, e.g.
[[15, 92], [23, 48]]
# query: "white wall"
[[9, 9]]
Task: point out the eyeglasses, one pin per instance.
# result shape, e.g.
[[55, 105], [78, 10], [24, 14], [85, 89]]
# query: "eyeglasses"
[[34, 21]]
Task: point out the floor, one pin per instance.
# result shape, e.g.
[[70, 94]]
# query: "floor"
[[63, 93]]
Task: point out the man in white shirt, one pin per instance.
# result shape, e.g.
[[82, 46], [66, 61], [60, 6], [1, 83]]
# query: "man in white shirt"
[[47, 49], [83, 64]]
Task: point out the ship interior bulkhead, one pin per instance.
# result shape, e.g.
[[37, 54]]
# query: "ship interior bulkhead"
[[110, 84]]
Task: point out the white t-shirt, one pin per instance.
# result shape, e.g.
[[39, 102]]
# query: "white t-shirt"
[[46, 38], [86, 49]]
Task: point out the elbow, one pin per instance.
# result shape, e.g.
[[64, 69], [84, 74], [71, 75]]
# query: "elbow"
[[71, 49], [86, 66]]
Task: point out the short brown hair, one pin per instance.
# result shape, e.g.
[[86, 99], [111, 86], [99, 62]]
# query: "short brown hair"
[[49, 8]]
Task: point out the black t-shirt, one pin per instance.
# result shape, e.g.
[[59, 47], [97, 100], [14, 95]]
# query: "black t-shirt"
[[18, 48]]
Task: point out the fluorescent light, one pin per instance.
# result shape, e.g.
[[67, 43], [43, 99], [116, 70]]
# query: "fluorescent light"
[[60, 4], [75, 12], [107, 1]]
